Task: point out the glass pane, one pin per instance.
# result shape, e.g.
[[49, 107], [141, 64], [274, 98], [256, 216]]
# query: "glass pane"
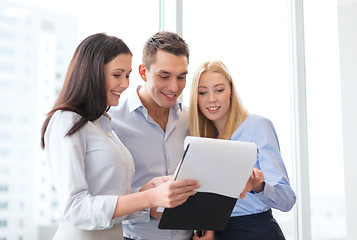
[[328, 213], [252, 39], [37, 41]]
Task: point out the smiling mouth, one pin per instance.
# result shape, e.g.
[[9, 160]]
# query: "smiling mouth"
[[116, 93], [213, 108], [170, 95]]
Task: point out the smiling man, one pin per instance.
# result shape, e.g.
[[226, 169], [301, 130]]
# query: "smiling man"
[[153, 125]]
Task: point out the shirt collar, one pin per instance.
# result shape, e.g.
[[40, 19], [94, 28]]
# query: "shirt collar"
[[105, 117], [177, 106], [134, 101], [105, 114]]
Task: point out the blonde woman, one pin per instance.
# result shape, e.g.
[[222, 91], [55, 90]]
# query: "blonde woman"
[[216, 112]]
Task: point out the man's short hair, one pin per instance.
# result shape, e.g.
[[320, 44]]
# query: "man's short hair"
[[167, 41]]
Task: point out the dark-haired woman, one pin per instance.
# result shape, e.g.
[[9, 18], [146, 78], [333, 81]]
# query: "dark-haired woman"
[[91, 168]]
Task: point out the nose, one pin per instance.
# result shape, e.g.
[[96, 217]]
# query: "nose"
[[125, 83], [212, 97], [173, 85]]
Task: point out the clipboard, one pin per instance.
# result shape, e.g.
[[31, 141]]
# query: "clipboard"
[[222, 168]]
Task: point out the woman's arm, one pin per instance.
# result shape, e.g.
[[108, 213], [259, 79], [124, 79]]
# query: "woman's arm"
[[277, 192], [169, 194]]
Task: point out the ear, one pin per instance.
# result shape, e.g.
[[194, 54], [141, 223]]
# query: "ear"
[[142, 72]]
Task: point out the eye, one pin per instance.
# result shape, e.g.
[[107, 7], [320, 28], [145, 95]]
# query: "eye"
[[181, 77], [116, 75], [163, 77], [202, 93], [128, 76], [219, 90]]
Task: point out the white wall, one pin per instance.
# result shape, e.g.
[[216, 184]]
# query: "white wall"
[[347, 16]]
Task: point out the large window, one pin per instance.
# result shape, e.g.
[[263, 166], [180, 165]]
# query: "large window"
[[323, 87], [252, 39], [37, 41]]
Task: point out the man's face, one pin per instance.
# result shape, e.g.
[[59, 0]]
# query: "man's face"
[[166, 78]]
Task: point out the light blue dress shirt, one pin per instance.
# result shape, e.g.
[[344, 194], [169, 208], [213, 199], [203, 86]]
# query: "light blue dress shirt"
[[89, 170], [155, 153], [277, 192]]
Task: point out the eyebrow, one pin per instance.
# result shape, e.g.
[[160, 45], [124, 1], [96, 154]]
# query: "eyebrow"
[[213, 86], [166, 72], [116, 69]]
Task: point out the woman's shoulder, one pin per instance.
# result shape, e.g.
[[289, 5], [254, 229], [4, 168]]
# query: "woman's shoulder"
[[66, 116], [256, 119], [260, 124], [65, 119], [254, 126]]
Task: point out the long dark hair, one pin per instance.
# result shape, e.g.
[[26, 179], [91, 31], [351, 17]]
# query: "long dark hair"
[[83, 90]]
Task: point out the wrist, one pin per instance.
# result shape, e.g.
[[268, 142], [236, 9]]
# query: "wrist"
[[149, 196], [259, 188]]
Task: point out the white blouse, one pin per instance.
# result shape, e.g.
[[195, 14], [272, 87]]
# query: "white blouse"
[[89, 170]]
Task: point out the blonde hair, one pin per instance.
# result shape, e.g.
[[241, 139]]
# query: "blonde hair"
[[201, 126]]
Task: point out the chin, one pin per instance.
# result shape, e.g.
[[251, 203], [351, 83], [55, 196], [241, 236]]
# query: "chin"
[[209, 117], [113, 104], [167, 104], [170, 104]]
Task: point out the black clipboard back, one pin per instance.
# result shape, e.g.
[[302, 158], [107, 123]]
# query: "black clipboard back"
[[207, 211]]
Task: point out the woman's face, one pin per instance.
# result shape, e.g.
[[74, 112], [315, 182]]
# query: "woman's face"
[[117, 73], [214, 97]]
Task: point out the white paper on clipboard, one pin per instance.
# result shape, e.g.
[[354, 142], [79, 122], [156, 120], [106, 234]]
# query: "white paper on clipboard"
[[220, 166]]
